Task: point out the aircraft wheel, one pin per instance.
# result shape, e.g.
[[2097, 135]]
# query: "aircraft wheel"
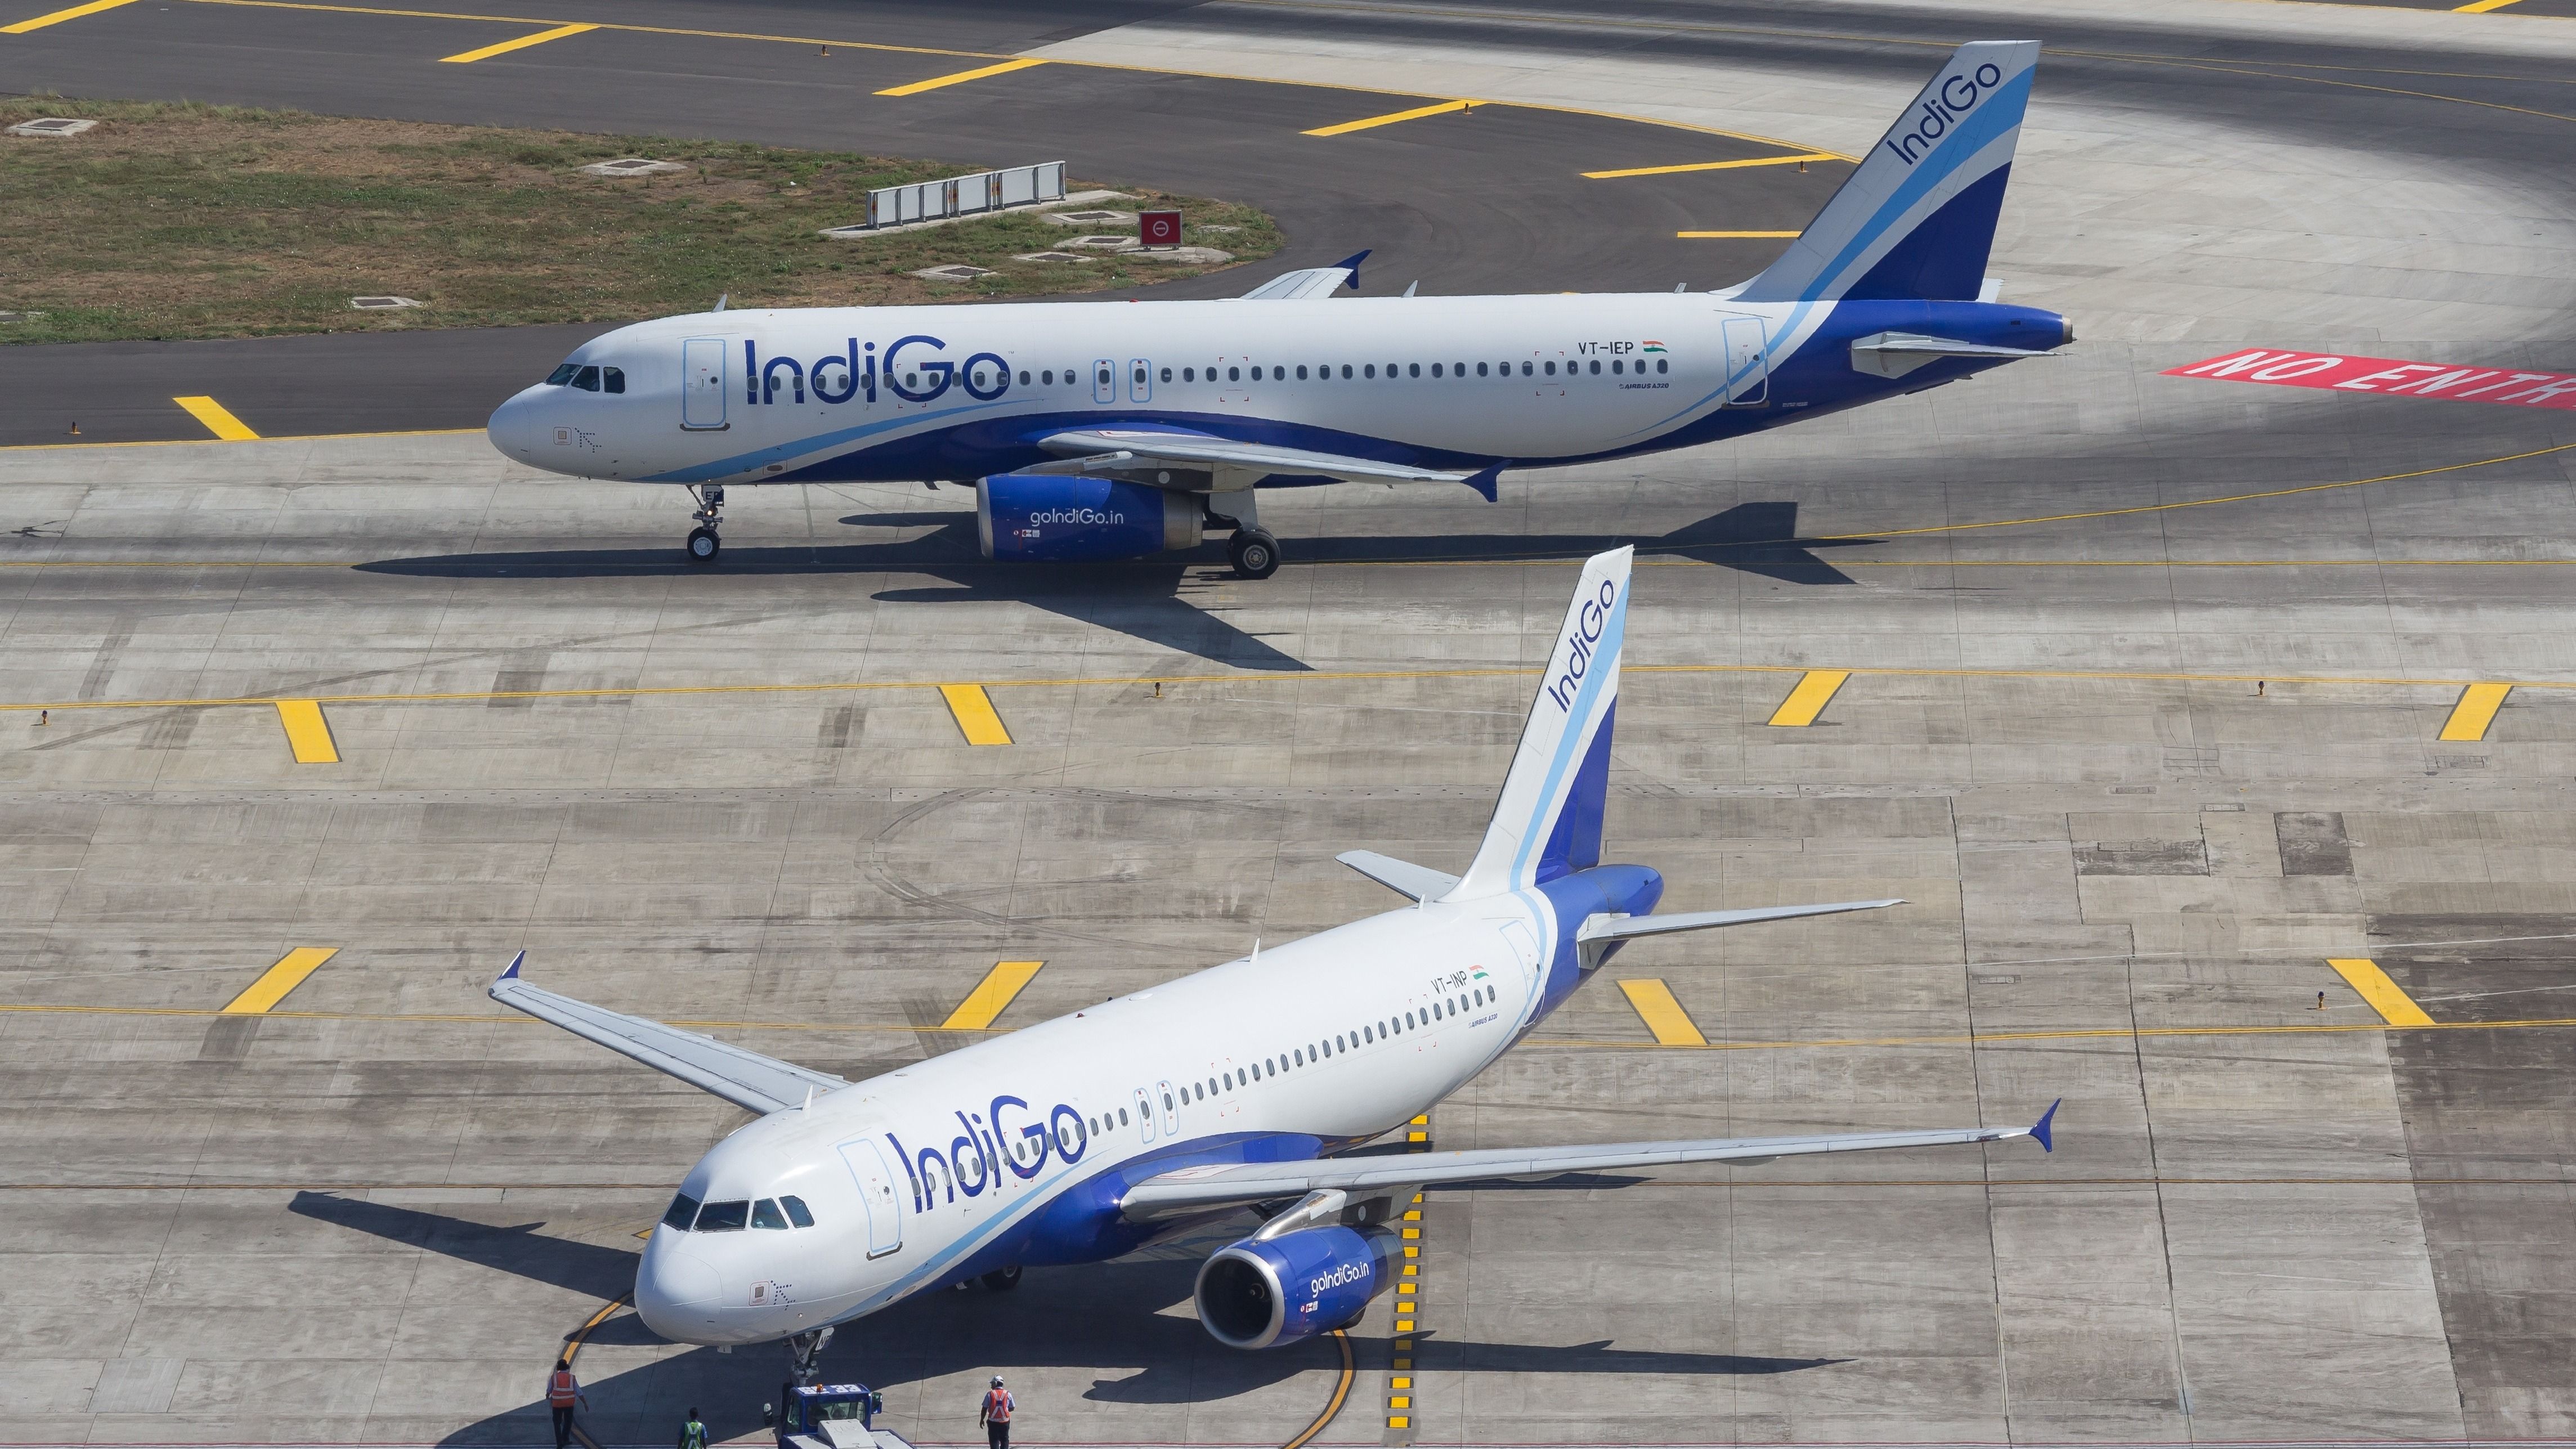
[[1254, 552], [704, 545], [1002, 1280]]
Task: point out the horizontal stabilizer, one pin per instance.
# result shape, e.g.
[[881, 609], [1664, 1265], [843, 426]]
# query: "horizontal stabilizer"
[[1310, 282], [747, 1079], [1894, 354], [1198, 1189], [1621, 928], [1413, 882]]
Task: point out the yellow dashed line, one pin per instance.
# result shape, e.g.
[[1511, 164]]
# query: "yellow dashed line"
[[2476, 711], [1816, 689], [2386, 997], [308, 734], [974, 712], [218, 420], [262, 995], [960, 78], [1662, 1014], [1371, 122], [522, 43], [59, 16], [991, 995], [1796, 160]]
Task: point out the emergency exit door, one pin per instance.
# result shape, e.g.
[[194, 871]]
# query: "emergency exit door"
[[702, 383], [1140, 380], [1748, 363], [1104, 381]]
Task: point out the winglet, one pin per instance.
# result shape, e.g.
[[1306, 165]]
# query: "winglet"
[[1351, 264], [1483, 482], [2039, 1130], [512, 974]]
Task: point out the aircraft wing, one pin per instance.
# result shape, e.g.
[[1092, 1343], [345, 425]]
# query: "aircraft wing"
[[1199, 1189], [745, 1078], [1112, 449], [1311, 282]]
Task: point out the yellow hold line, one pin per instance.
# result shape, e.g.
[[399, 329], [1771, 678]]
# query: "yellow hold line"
[[2475, 712], [522, 43], [308, 734], [1816, 689], [59, 16], [277, 980], [1367, 123], [960, 78], [2386, 997], [976, 718], [991, 995], [218, 419], [1712, 166]]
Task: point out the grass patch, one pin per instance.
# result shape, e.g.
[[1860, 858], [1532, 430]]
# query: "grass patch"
[[186, 220]]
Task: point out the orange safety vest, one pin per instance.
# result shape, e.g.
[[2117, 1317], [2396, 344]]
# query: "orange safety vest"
[[997, 1405], [561, 1390]]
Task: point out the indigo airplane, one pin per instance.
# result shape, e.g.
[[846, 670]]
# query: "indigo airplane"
[[1244, 1086], [1116, 430]]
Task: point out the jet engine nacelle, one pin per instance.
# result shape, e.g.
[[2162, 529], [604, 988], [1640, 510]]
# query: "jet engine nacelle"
[[1060, 518], [1259, 1294]]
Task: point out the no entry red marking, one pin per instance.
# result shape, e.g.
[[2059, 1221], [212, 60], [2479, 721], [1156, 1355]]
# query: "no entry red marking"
[[2387, 374]]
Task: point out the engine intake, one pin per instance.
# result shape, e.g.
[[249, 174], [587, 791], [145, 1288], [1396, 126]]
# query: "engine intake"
[[1260, 1294], [1059, 518]]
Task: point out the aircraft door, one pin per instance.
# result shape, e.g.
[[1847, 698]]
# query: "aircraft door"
[[1140, 380], [702, 383], [1104, 381], [1145, 1113], [1171, 1113], [876, 1189], [1748, 363], [1524, 946]]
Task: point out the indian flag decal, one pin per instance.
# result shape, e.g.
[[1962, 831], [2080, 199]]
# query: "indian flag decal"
[[1652, 346]]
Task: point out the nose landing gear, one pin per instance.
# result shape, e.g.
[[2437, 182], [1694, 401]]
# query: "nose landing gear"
[[704, 543], [804, 1354]]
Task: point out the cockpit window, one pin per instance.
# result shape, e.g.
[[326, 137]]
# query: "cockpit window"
[[765, 1214], [796, 1212], [587, 379], [562, 376], [684, 1209], [612, 379], [723, 1217]]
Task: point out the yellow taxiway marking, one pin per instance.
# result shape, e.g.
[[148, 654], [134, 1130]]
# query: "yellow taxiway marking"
[[973, 710], [2386, 997], [960, 78], [1816, 689], [2476, 711], [1662, 1015], [308, 734], [522, 43], [1333, 1405], [991, 995], [59, 16], [261, 996], [1731, 235], [1389, 119], [218, 419], [2481, 7], [1802, 157]]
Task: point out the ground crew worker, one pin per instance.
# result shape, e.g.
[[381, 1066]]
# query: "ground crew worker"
[[996, 1415], [693, 1434], [562, 1392]]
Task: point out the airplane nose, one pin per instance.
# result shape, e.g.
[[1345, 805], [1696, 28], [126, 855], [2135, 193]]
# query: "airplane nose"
[[515, 427], [675, 1292]]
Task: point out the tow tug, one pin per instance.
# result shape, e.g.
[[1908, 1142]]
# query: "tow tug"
[[830, 1416]]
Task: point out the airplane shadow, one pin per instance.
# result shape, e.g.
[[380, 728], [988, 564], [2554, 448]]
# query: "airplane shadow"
[[1154, 600], [1113, 1320]]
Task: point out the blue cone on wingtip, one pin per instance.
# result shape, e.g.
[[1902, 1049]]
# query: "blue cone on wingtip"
[[2039, 1130], [511, 974]]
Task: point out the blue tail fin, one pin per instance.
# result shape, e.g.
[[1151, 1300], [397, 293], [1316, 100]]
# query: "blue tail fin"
[[1917, 220]]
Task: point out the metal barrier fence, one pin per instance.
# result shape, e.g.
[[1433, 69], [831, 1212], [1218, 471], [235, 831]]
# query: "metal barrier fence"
[[966, 195]]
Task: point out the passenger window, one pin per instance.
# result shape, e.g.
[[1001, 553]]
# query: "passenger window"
[[612, 379], [1369, 371], [1297, 1056], [684, 1210], [1346, 372], [1596, 367], [1457, 369], [1301, 372], [1234, 374], [765, 1214], [1229, 1081], [1122, 1116], [724, 1217], [1189, 374], [1663, 364], [1480, 369], [1408, 1021], [1526, 369], [1616, 364], [1551, 369], [587, 379], [1167, 374], [1024, 377], [1047, 377], [796, 1211], [562, 376]]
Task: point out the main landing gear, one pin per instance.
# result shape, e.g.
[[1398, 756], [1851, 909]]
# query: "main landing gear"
[[704, 544], [1002, 1280], [1254, 553]]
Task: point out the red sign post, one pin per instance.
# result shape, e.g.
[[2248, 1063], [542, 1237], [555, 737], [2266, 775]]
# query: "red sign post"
[[1159, 228]]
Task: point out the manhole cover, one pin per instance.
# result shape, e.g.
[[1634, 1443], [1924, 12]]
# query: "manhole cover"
[[1102, 243], [1207, 255], [1092, 218], [956, 272], [381, 304], [51, 126], [632, 166], [1049, 257]]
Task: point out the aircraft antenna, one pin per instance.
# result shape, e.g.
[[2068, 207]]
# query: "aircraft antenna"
[[721, 299]]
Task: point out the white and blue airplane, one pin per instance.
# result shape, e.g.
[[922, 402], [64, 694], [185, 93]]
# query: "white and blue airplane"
[[1120, 429], [1244, 1086]]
